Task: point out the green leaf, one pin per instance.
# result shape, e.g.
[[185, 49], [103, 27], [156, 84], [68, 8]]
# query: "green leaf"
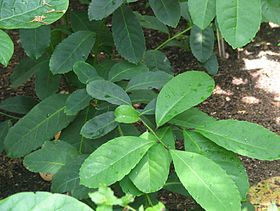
[[128, 187], [35, 41], [151, 22], [167, 11], [212, 189], [166, 136], [150, 108], [51, 157], [142, 96], [174, 185], [46, 84], [77, 101], [236, 26], [67, 179], [125, 71], [128, 35], [85, 72], [99, 126], [107, 91], [212, 65], [4, 128], [157, 207], [7, 48], [25, 69], [18, 104], [74, 48], [229, 161], [113, 160], [42, 201], [271, 10], [151, 173], [104, 67], [192, 118], [244, 138], [181, 93], [148, 80], [185, 13], [39, 125], [99, 9], [18, 14], [202, 12], [126, 114], [157, 61], [202, 43]]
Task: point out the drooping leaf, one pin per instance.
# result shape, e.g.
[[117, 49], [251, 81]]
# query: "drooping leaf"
[[67, 179], [85, 72], [18, 104], [202, 43], [113, 160], [212, 65], [74, 48], [128, 35], [271, 10], [125, 71], [7, 48], [128, 187], [30, 14], [126, 114], [35, 41], [39, 125], [99, 126], [157, 61], [4, 128], [229, 161], [42, 201], [202, 12], [236, 26], [212, 189], [99, 9], [167, 11], [151, 173], [181, 93], [191, 118], [51, 157], [46, 84], [77, 101], [244, 138], [107, 91], [148, 80]]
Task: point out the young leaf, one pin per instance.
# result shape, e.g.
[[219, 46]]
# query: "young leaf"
[[99, 126], [148, 80], [229, 161], [151, 22], [51, 157], [202, 12], [18, 104], [74, 48], [35, 41], [77, 101], [271, 10], [7, 48], [181, 93], [15, 15], [212, 65], [244, 138], [4, 128], [157, 61], [151, 173], [67, 179], [42, 201], [202, 43], [167, 11], [39, 125], [125, 71], [212, 189], [113, 160], [107, 91], [236, 26], [99, 9], [126, 114], [128, 35], [85, 72]]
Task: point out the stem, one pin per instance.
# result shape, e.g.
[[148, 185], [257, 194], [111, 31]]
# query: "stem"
[[120, 131], [172, 38], [8, 115], [149, 200], [130, 208]]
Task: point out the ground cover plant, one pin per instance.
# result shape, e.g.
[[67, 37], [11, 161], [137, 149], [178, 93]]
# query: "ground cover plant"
[[123, 108]]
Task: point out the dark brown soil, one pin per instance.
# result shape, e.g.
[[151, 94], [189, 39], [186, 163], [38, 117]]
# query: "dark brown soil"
[[244, 91]]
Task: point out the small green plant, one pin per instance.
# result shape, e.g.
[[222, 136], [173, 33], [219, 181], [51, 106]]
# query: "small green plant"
[[119, 124]]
